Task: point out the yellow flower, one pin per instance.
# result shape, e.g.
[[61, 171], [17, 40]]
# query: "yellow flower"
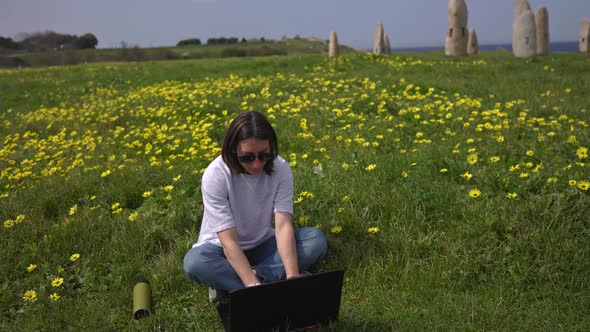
[[371, 167], [306, 194], [133, 216], [336, 229], [530, 153], [57, 282], [147, 194], [31, 267], [467, 176], [74, 257], [474, 193], [168, 188], [373, 230], [30, 296], [584, 185], [511, 195], [552, 180], [9, 223], [500, 139], [405, 174], [177, 178], [472, 159], [54, 297], [345, 166], [524, 175], [582, 152], [105, 173], [495, 159], [73, 210], [572, 182], [444, 170], [116, 208]]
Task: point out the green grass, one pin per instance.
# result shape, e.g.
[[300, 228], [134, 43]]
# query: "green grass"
[[251, 48], [78, 142]]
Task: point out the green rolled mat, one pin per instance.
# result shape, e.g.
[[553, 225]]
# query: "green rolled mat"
[[142, 298]]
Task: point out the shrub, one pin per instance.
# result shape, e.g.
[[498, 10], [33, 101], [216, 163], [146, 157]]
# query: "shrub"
[[222, 41], [87, 40], [233, 52], [190, 41], [8, 43]]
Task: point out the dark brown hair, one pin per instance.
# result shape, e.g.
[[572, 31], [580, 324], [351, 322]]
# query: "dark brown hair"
[[247, 125]]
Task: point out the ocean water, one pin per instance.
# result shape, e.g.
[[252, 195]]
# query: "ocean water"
[[570, 46]]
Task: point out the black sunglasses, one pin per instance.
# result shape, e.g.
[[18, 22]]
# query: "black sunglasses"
[[250, 157]]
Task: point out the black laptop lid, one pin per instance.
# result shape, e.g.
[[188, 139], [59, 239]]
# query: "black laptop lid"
[[290, 303]]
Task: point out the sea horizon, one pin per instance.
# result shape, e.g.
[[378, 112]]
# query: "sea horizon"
[[560, 46]]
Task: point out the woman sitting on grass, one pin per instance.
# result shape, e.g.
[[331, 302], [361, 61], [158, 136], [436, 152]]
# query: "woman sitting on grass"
[[242, 190]]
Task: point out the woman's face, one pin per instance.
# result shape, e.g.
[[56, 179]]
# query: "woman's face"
[[256, 147]]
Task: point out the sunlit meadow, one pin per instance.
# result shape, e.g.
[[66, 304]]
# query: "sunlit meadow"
[[454, 192]]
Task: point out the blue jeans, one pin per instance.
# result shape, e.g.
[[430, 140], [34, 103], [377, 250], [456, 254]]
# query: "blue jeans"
[[207, 263]]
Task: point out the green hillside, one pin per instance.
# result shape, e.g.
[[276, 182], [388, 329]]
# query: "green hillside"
[[250, 48]]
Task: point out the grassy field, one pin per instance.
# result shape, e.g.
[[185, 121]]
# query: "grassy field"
[[453, 191], [131, 53]]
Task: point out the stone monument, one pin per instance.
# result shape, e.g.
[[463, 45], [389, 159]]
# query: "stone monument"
[[585, 36], [472, 44], [542, 25], [524, 35], [386, 45], [520, 6], [379, 40], [457, 35], [333, 46]]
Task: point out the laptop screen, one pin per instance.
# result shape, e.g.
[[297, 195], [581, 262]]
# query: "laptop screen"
[[293, 303]]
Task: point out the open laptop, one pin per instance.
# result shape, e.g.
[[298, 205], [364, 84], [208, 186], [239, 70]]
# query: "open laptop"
[[283, 305]]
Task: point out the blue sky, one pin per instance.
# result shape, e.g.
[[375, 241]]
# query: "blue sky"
[[164, 22]]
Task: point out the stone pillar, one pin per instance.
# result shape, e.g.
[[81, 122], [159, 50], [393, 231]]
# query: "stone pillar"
[[542, 25], [472, 44], [457, 35], [585, 36], [524, 35], [386, 45], [520, 6], [379, 40], [333, 46]]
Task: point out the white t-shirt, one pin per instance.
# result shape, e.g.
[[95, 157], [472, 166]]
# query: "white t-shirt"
[[246, 202]]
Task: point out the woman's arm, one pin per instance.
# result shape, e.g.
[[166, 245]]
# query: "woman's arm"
[[285, 235], [235, 255]]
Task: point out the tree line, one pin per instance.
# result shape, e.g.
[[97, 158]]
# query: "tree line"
[[213, 41], [49, 40]]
